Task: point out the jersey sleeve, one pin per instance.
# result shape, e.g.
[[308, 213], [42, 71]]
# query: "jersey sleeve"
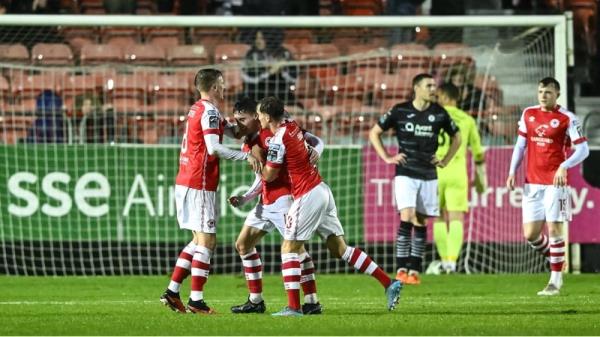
[[522, 126], [574, 131], [388, 120], [475, 142], [275, 153], [448, 124], [211, 120]]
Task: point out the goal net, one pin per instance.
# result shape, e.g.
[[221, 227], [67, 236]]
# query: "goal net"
[[92, 110]]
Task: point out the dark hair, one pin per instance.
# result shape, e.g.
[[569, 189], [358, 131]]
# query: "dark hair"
[[546, 81], [206, 78], [245, 105], [273, 107], [450, 90], [417, 79]]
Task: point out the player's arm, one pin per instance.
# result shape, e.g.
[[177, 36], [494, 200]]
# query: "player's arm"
[[256, 187], [275, 159], [474, 143], [515, 161], [210, 130], [518, 151], [385, 123], [581, 152], [254, 191], [455, 139], [316, 147]]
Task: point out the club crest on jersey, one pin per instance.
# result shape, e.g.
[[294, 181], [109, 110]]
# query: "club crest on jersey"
[[531, 118], [431, 118], [267, 141], [210, 223], [554, 123]]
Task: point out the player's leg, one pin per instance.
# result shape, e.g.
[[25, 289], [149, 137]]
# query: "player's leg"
[[185, 216], [457, 204], [557, 206], [440, 226], [301, 221], [405, 192], [200, 270], [183, 265], [203, 204], [308, 283], [250, 235], [534, 218], [331, 230], [427, 206]]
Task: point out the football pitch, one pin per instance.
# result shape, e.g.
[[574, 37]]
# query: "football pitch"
[[353, 305]]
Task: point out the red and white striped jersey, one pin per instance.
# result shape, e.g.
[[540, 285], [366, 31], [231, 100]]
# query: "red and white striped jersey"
[[548, 134], [288, 147], [198, 169], [281, 185]]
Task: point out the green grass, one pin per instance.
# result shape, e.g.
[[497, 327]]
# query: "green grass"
[[353, 305]]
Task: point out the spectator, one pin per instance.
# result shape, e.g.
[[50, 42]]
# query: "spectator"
[[33, 6], [48, 126], [264, 72], [470, 97], [120, 6], [402, 7], [93, 122]]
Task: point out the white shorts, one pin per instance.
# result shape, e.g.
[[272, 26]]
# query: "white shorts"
[[196, 209], [416, 193], [546, 203], [314, 211], [269, 217]]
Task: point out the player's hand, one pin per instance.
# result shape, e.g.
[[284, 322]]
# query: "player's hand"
[[255, 163], [560, 177], [510, 182], [313, 155], [437, 162], [480, 184], [399, 159], [236, 200]]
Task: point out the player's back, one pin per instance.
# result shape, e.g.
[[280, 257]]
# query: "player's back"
[[198, 169], [289, 141], [468, 127]]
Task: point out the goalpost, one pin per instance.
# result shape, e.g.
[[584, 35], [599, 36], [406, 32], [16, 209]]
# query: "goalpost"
[[99, 198]]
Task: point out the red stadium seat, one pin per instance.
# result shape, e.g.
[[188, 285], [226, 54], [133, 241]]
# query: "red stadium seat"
[[170, 86], [13, 128], [52, 54], [129, 106], [298, 36], [109, 33], [30, 86], [231, 52], [145, 54], [233, 81], [152, 33], [14, 53], [410, 55], [362, 7], [322, 52], [76, 43], [4, 90], [367, 56], [128, 86], [74, 85], [393, 86], [447, 55], [187, 56], [100, 54]]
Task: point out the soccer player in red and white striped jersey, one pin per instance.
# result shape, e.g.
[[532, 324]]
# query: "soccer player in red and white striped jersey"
[[196, 186], [269, 214], [546, 131], [313, 209]]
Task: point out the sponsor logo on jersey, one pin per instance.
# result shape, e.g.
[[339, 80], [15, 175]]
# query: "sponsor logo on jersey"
[[541, 130], [419, 130], [273, 152], [410, 115], [554, 123], [431, 118], [531, 118]]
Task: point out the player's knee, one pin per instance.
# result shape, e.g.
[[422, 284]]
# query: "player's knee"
[[336, 246], [242, 247], [531, 235]]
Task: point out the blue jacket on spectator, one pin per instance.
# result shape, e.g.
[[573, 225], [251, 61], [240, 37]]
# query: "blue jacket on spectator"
[[48, 126]]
